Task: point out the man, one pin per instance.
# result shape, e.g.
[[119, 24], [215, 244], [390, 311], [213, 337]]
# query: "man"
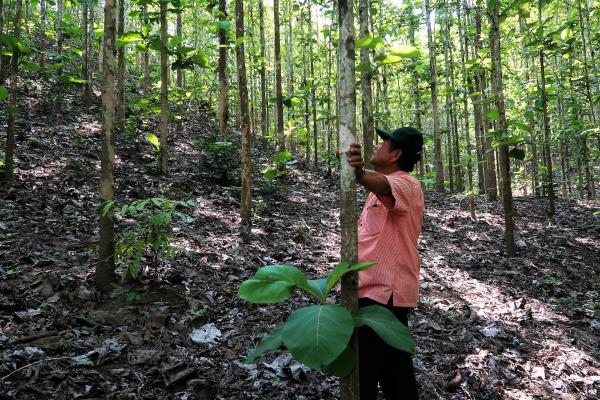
[[388, 229]]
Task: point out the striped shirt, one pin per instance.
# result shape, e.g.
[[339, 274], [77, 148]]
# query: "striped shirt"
[[388, 230]]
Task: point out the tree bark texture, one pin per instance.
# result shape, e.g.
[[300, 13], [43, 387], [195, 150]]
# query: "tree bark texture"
[[349, 388], [106, 247], [246, 201], [164, 91], [437, 137], [368, 125], [9, 157], [498, 90], [222, 71], [121, 70], [278, 89]]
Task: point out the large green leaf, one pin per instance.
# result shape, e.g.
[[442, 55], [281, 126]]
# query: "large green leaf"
[[387, 326], [317, 335], [493, 114], [265, 292], [405, 50], [272, 341], [344, 364], [272, 284], [128, 38], [364, 41], [340, 270], [317, 287], [153, 139], [3, 92], [286, 273]]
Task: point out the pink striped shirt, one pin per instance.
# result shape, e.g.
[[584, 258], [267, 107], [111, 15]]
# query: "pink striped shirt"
[[388, 235]]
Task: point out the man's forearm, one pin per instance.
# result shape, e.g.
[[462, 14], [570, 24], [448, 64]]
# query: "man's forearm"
[[375, 182]]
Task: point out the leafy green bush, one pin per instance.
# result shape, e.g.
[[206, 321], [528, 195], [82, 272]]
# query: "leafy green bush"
[[223, 158], [319, 335], [277, 169], [151, 234]]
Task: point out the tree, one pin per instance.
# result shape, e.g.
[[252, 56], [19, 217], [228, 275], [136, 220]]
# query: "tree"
[[546, 121], [263, 73], [85, 68], [368, 128], [9, 165], [121, 70], [246, 139], [497, 87], [222, 69], [349, 388], [437, 139], [164, 90], [106, 246], [278, 89]]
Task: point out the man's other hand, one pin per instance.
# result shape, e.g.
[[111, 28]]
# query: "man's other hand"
[[355, 158]]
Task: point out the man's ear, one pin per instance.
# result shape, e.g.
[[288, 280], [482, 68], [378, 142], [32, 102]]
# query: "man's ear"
[[397, 155]]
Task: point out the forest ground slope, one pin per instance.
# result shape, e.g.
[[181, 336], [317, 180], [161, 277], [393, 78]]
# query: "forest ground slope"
[[486, 327]]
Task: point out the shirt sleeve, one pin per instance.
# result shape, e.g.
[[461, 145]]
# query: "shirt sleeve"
[[403, 192]]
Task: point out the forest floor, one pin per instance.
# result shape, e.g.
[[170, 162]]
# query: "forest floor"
[[486, 327]]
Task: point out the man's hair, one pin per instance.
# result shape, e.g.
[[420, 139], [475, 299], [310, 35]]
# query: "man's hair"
[[412, 148]]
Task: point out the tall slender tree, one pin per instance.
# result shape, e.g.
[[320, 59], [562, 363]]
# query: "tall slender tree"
[[9, 157], [222, 70], [437, 138], [164, 90], [278, 89], [349, 388], [121, 69], [246, 201], [106, 245], [497, 88], [368, 125]]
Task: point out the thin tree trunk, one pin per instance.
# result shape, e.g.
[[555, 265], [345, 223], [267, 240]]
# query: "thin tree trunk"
[[43, 18], [437, 139], [9, 157], [368, 125], [146, 58], [278, 89], [547, 149], [313, 89], [164, 91], [222, 71], [498, 91], [246, 200], [87, 89], [349, 388], [106, 246], [59, 32], [263, 74], [121, 70], [179, 82]]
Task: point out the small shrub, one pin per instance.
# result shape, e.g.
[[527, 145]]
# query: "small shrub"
[[222, 158], [150, 236]]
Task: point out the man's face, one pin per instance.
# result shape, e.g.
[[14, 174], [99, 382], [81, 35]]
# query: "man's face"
[[384, 156]]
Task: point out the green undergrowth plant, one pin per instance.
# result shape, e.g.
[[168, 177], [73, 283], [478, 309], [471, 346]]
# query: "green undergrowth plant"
[[149, 237], [319, 335], [277, 168], [222, 157]]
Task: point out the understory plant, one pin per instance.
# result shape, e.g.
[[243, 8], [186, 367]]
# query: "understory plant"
[[319, 335], [149, 237]]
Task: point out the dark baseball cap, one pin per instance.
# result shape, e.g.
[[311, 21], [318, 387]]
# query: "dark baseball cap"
[[408, 138]]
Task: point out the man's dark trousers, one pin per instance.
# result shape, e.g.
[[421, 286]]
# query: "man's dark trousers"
[[383, 364]]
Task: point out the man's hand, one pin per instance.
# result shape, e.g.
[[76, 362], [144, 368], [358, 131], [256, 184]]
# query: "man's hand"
[[355, 159]]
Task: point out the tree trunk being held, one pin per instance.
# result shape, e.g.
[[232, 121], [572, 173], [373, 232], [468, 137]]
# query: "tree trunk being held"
[[349, 388]]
